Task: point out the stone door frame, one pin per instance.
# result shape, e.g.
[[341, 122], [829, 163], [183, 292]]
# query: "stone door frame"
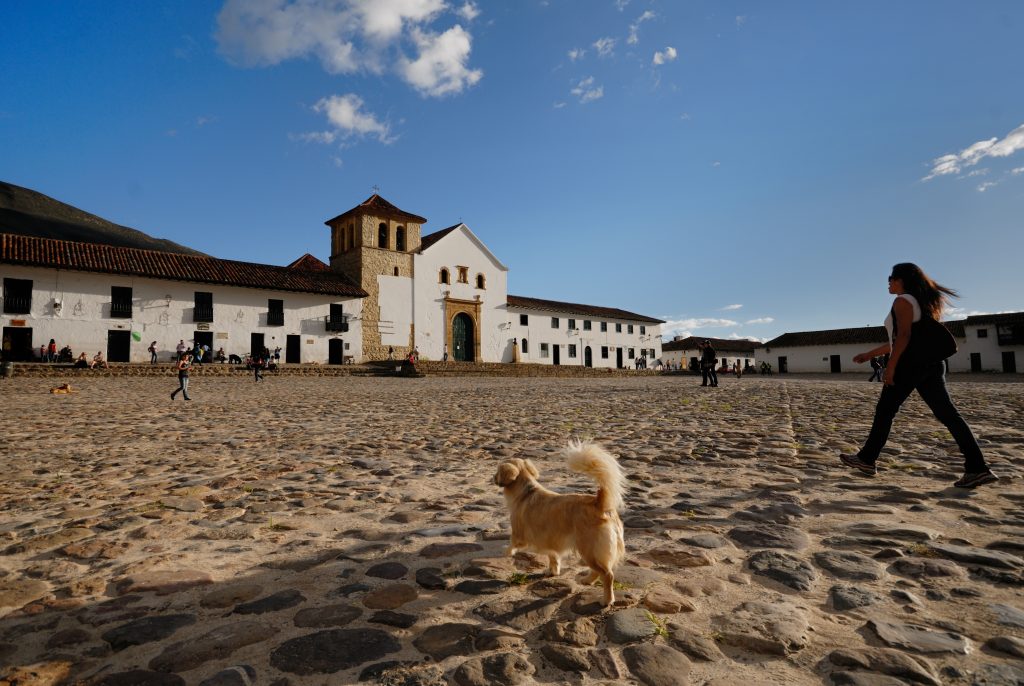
[[454, 307]]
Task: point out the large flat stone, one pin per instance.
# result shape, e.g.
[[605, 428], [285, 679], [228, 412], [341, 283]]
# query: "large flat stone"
[[919, 638], [771, 628], [849, 565], [503, 669], [917, 567], [523, 614], [886, 661], [903, 532], [332, 650], [981, 556], [656, 664], [770, 536], [219, 643], [1008, 615], [338, 614], [445, 640], [146, 630], [785, 569], [629, 626], [16, 593]]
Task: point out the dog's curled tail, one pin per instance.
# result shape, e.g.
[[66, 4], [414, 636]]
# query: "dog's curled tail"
[[594, 461]]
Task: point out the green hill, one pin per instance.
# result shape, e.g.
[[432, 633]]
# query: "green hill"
[[29, 213]]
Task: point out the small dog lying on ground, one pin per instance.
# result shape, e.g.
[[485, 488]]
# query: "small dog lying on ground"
[[551, 524], [63, 389]]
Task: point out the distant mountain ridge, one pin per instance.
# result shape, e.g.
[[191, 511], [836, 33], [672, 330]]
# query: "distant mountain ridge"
[[27, 212]]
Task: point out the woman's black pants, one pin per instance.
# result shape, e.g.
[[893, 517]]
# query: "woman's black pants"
[[930, 383]]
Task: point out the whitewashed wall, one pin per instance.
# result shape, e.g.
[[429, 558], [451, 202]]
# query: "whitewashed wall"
[[808, 359], [989, 349], [85, 314], [677, 357], [539, 330], [395, 293], [460, 248]]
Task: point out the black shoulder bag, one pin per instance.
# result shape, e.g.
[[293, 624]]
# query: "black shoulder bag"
[[930, 343]]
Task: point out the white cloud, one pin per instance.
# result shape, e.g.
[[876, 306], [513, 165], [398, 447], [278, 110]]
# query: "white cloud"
[[469, 11], [716, 163], [679, 326], [761, 320], [441, 68], [347, 118], [586, 91], [669, 54], [621, 4], [634, 28], [741, 20], [974, 153], [576, 54], [604, 46], [731, 307], [978, 172], [1017, 170], [349, 36], [984, 186], [559, 105]]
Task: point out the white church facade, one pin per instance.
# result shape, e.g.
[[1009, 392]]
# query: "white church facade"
[[387, 291]]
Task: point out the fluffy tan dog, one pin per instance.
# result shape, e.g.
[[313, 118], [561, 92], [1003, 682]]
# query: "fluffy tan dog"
[[552, 524]]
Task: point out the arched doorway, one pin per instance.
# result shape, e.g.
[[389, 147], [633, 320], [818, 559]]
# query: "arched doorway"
[[588, 357], [462, 338]]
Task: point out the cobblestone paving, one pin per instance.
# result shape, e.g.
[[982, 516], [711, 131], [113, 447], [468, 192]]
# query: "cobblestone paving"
[[311, 531]]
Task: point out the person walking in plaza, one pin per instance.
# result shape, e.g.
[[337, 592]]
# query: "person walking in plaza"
[[257, 367], [917, 296], [183, 365], [876, 367], [152, 352], [51, 351], [708, 362], [181, 347]]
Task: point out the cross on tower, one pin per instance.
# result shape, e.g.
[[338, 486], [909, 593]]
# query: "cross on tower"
[[376, 189]]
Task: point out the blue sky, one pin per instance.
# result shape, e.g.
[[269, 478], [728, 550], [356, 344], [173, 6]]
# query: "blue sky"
[[736, 168]]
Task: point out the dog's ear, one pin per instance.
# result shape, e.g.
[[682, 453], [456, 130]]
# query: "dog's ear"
[[507, 474], [531, 469]]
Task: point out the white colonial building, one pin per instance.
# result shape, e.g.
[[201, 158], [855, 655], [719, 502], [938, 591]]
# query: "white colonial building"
[[388, 291], [683, 353], [985, 343]]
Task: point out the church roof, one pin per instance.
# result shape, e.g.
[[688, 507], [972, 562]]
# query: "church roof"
[[379, 207], [309, 263], [575, 308], [432, 238], [725, 345], [110, 259]]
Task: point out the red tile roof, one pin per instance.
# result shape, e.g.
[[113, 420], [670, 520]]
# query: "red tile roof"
[[575, 308], [109, 259], [379, 207], [725, 345], [1003, 318], [309, 263], [863, 334]]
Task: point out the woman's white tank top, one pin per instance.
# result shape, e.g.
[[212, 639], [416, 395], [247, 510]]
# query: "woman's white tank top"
[[917, 313]]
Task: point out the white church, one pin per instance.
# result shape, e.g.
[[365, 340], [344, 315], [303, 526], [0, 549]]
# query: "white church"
[[388, 290]]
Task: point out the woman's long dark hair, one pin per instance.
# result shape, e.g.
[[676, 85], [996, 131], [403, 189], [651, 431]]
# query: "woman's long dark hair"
[[930, 296]]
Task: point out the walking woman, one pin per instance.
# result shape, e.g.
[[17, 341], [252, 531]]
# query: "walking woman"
[[917, 296], [184, 364]]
